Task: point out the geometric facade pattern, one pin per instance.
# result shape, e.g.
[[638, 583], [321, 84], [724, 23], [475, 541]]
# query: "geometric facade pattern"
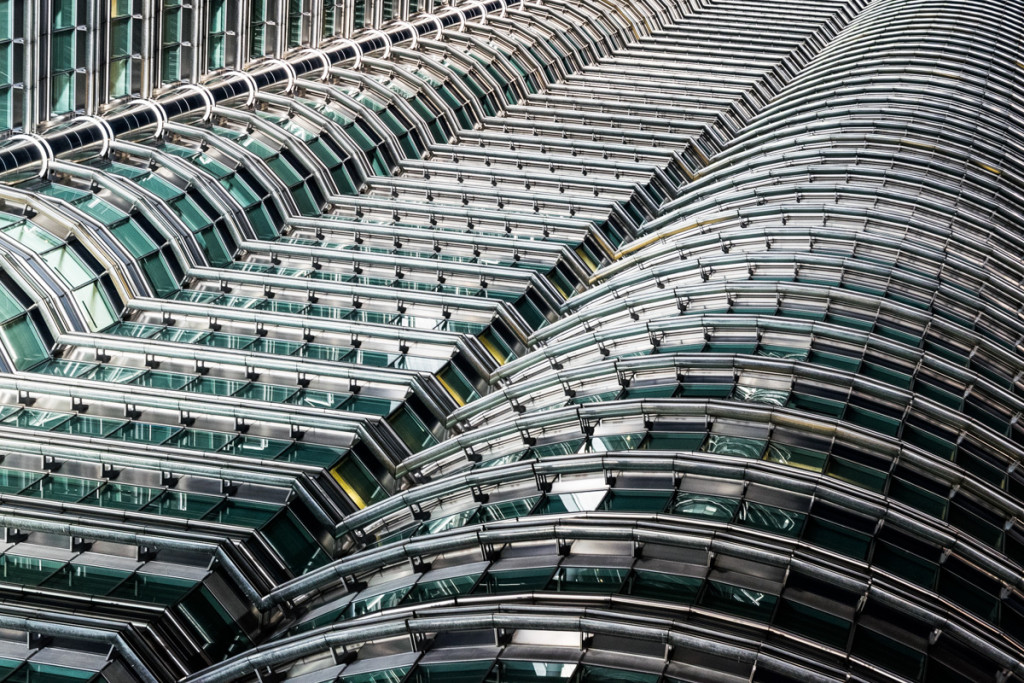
[[568, 341]]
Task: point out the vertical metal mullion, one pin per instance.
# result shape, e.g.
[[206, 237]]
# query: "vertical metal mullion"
[[150, 48], [242, 44], [158, 43], [348, 20], [97, 35], [34, 15], [281, 15], [199, 23], [316, 22]]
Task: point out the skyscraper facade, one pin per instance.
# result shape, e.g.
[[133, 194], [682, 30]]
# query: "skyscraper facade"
[[561, 341]]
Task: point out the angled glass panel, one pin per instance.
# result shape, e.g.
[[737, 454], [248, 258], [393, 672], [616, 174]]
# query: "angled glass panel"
[[588, 579], [199, 439], [183, 504], [86, 425], [63, 368], [23, 343], [636, 501], [14, 481], [386, 676], [318, 399], [10, 307], [357, 481], [242, 513], [69, 266], [744, 602], [312, 454], [602, 674], [80, 578], [216, 386], [664, 586], [145, 432], [515, 581], [32, 236], [717, 508], [150, 588], [32, 418], [443, 588], [451, 672], [27, 571], [121, 496], [532, 672], [159, 379], [256, 447], [60, 488], [113, 373]]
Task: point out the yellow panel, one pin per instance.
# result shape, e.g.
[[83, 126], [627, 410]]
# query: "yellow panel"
[[347, 488], [458, 399], [498, 354]]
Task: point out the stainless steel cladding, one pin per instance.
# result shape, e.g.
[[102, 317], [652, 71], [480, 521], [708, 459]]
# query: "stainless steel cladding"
[[564, 341]]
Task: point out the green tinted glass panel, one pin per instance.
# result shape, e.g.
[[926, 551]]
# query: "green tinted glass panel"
[[411, 430], [200, 439], [31, 418], [13, 481], [122, 496], [69, 266], [738, 600], [588, 579], [601, 674], [23, 343], [183, 504], [708, 507], [80, 578], [812, 623], [662, 586], [160, 590], [438, 590], [636, 501], [242, 513], [508, 509], [9, 306], [524, 580], [134, 239], [531, 672], [300, 552], [64, 489], [27, 571], [144, 432], [83, 425], [312, 454], [157, 379], [385, 676], [216, 386], [256, 447], [772, 519], [450, 672]]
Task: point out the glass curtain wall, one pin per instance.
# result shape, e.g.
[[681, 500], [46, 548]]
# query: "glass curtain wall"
[[298, 23], [333, 18], [67, 56], [262, 28], [10, 63], [124, 29], [176, 52], [221, 43]]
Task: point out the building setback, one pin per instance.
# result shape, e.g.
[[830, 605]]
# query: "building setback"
[[568, 341]]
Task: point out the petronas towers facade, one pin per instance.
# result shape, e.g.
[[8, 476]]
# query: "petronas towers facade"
[[567, 341]]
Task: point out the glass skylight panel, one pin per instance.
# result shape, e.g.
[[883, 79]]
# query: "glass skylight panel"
[[23, 343]]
